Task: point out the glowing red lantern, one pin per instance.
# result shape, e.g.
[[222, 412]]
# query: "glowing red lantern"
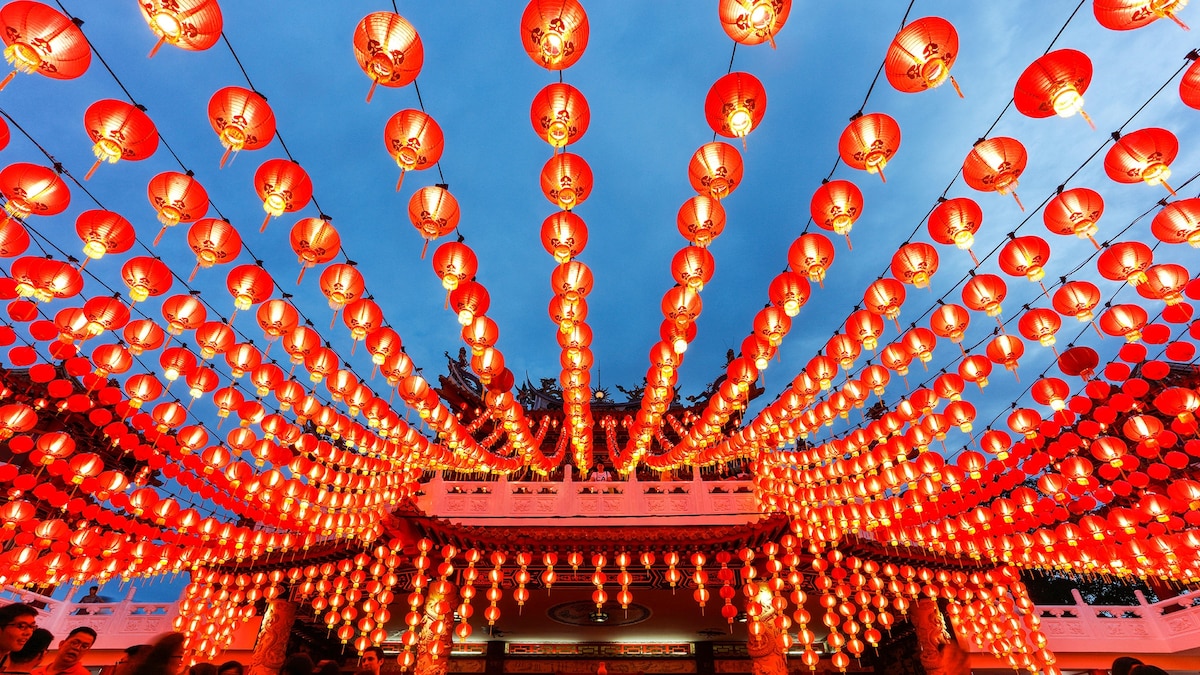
[[715, 170], [564, 235], [40, 39], [1039, 324], [111, 360], [681, 305], [283, 187], [1164, 282], [194, 25], [1077, 299], [249, 285], [836, 205], [454, 262], [214, 337], [341, 283], [1025, 256], [1075, 211], [869, 142], [177, 198], [789, 291], [950, 321], [811, 254], [1178, 222], [242, 120], [921, 56], [1131, 14], [104, 314], [1189, 85], [1144, 155], [572, 280], [693, 267], [414, 140], [1054, 84], [277, 318], [1124, 320], [753, 22], [14, 240], [1125, 261], [975, 368], [884, 297], [915, 263], [362, 317], [434, 212], [388, 50], [44, 279], [994, 165], [120, 131], [104, 232], [735, 105], [554, 32], [700, 220], [955, 221], [32, 190], [215, 242], [559, 114], [315, 242], [1005, 350], [566, 180], [242, 357], [143, 335], [146, 276]]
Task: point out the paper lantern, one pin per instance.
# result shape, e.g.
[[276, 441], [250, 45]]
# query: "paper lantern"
[[176, 198], [955, 221], [143, 335], [1131, 14], [790, 291], [40, 39], [554, 32], [811, 254], [14, 239], [915, 263], [994, 165], [315, 242], [215, 242], [145, 277], [33, 190], [869, 142], [249, 285], [921, 56], [836, 205], [414, 140], [1178, 223], [1075, 211], [950, 321], [715, 170], [454, 262], [1124, 320], [242, 119], [572, 280], [1189, 86], [103, 232], [1125, 261], [1077, 299], [388, 50], [1039, 324], [1143, 155], [735, 105], [884, 297], [1006, 350], [105, 314], [341, 283], [564, 235], [1025, 256], [693, 267], [277, 318], [283, 187], [559, 114], [44, 279], [566, 180], [119, 131], [194, 25], [1164, 282], [681, 305], [1054, 84]]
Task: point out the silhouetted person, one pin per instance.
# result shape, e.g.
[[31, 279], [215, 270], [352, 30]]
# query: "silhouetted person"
[[164, 657], [1143, 669], [1123, 664]]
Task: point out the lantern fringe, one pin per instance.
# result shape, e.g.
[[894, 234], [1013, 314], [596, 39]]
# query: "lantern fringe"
[[264, 225], [1018, 199], [161, 39], [1169, 188], [159, 237], [957, 89], [371, 91], [1087, 118], [88, 175], [7, 79]]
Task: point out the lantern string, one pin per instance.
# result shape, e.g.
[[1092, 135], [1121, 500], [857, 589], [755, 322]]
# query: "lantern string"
[[1064, 27], [421, 103], [879, 70]]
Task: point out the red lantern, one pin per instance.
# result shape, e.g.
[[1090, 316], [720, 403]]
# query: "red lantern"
[[955, 221], [32, 190], [300, 342], [681, 305], [1125, 261], [111, 360], [1006, 350], [566, 180], [283, 187], [1054, 85], [564, 235], [865, 327], [119, 131], [693, 267], [277, 318], [1143, 155], [950, 321], [869, 143], [572, 281], [249, 285], [40, 39], [388, 50], [1131, 14], [341, 283], [1124, 321], [715, 170], [753, 22], [789, 291], [242, 120], [1077, 299], [243, 357], [177, 198], [103, 232], [701, 220], [884, 297], [146, 276], [915, 264], [1025, 256], [811, 254], [735, 105], [994, 165], [1178, 222], [194, 25], [1039, 324], [214, 337], [1075, 211], [104, 314], [14, 240], [554, 32], [414, 140], [921, 56], [836, 205], [1164, 282], [454, 262], [362, 317], [215, 242], [434, 212], [44, 279], [315, 242], [975, 368], [559, 114], [1189, 85]]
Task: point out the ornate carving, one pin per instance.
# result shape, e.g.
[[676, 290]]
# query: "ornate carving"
[[271, 649], [940, 654], [766, 654]]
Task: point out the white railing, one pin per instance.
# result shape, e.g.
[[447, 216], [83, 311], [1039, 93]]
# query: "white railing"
[[568, 502]]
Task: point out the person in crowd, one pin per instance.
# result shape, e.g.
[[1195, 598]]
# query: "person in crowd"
[[123, 665], [371, 661], [92, 597], [601, 474], [70, 652], [231, 668], [17, 623], [328, 667], [1146, 669], [203, 669], [164, 657], [1123, 664], [298, 664], [30, 656]]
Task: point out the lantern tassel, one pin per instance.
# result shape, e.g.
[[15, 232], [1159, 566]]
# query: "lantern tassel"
[[400, 180], [7, 79], [83, 264], [973, 258], [88, 175], [957, 90], [1169, 188], [161, 40], [1087, 118], [225, 157], [881, 176], [192, 276], [264, 225], [160, 235], [371, 91], [303, 269], [426, 248], [1044, 291], [1177, 21], [1097, 329], [849, 245], [1094, 242], [1014, 194]]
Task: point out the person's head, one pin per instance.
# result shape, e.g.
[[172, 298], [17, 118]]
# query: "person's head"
[[125, 663], [164, 656], [33, 651], [76, 644], [328, 667], [1123, 664], [203, 669], [1144, 669], [371, 659], [298, 664], [17, 623], [231, 668], [93, 590]]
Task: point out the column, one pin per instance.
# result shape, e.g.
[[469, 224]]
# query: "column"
[[270, 650], [939, 652]]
